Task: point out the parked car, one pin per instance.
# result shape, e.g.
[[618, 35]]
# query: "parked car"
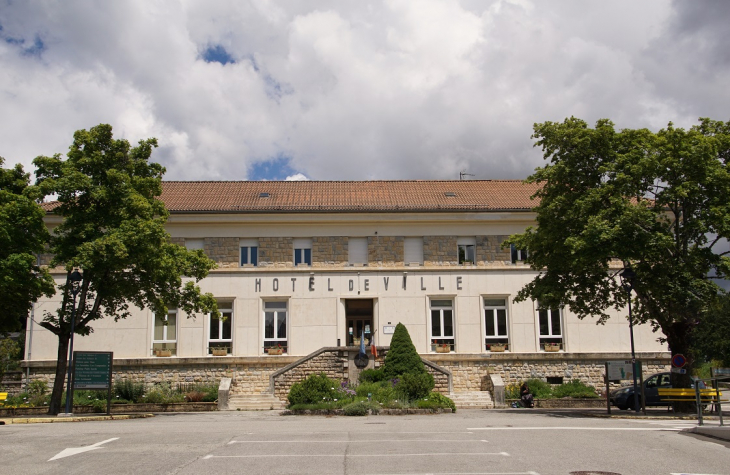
[[624, 398]]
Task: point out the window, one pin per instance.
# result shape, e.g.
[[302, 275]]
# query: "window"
[[357, 251], [249, 252], [194, 244], [495, 324], [551, 328], [275, 340], [413, 250], [466, 246], [302, 252], [518, 255], [164, 337], [220, 336], [442, 325]]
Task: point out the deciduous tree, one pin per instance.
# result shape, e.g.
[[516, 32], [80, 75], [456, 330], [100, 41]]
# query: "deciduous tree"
[[113, 231], [659, 202], [23, 236]]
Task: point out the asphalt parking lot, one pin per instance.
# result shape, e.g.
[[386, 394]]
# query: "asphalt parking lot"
[[468, 442]]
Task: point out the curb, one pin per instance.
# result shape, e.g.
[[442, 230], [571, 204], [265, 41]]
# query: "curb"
[[54, 420]]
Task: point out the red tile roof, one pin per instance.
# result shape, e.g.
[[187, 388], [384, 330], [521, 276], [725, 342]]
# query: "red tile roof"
[[347, 196]]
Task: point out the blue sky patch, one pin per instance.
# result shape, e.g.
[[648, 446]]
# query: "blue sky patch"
[[276, 169], [217, 54]]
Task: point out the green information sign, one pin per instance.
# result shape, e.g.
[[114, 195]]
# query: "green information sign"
[[92, 369]]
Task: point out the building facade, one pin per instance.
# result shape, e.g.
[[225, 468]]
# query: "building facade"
[[310, 265]]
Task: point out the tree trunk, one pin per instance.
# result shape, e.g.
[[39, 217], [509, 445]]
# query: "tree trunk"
[[678, 339], [56, 404]]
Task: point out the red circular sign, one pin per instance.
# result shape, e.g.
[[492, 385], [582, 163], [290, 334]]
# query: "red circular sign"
[[678, 361]]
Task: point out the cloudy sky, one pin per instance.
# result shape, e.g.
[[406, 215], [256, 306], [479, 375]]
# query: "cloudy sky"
[[329, 90]]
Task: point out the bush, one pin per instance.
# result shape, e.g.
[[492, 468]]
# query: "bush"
[[574, 389], [163, 394], [360, 408], [435, 401], [315, 389], [402, 358], [415, 386], [129, 390], [372, 375], [539, 389], [194, 396], [383, 391]]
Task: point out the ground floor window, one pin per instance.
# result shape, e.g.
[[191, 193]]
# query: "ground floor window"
[[164, 337], [442, 326], [551, 329], [220, 335], [496, 336], [275, 327]]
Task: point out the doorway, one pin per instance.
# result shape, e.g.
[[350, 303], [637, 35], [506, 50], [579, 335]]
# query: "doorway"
[[359, 318]]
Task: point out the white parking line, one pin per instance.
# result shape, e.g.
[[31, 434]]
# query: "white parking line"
[[444, 454], [650, 429], [346, 441]]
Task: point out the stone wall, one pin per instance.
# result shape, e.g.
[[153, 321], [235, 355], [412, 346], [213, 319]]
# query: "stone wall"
[[224, 251], [489, 249], [440, 251], [385, 251], [329, 251], [276, 252]]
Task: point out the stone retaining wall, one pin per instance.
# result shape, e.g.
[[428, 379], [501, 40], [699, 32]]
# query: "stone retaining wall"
[[251, 375]]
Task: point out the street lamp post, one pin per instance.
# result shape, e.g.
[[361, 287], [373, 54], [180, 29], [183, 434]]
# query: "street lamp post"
[[74, 279], [627, 282]]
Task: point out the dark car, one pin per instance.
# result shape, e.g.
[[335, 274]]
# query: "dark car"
[[624, 398]]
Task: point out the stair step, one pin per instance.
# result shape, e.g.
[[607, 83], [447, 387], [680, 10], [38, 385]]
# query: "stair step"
[[254, 402], [472, 400]]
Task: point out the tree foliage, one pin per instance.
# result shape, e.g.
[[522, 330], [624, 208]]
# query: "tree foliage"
[[657, 201], [402, 356], [711, 339], [23, 236], [113, 231]]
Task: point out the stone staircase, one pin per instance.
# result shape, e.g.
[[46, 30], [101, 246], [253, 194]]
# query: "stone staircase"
[[472, 400], [254, 402]]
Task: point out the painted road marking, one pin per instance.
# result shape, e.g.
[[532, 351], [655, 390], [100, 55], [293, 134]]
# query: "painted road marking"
[[654, 429], [79, 450], [449, 454], [346, 441]]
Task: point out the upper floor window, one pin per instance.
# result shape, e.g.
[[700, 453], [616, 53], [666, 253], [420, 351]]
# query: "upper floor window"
[[442, 325], [164, 337], [496, 337], [413, 250], [194, 244], [302, 251], [357, 249], [220, 334], [551, 328], [518, 255], [249, 252], [275, 327], [467, 250]]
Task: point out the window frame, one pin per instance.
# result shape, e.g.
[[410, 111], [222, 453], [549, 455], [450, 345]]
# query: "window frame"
[[409, 244], [465, 244], [517, 255], [276, 342], [351, 256], [496, 338], [166, 342], [248, 254], [226, 311], [302, 252], [441, 340], [551, 337]]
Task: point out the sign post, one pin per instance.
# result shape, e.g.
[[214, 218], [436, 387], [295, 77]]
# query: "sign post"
[[93, 370]]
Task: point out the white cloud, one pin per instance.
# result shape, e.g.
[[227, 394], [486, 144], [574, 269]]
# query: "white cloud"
[[297, 177], [351, 90]]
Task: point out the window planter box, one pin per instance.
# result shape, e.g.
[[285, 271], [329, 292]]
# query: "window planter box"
[[275, 351], [552, 347], [219, 351], [497, 348], [443, 349], [163, 353]]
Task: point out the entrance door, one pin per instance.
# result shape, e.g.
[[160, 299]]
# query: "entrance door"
[[359, 318]]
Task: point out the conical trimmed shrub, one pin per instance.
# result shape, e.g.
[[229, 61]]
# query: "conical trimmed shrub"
[[402, 357]]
